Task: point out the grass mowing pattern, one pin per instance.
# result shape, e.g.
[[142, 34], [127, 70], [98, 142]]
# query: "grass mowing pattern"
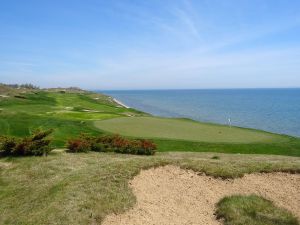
[[83, 188], [252, 210], [69, 114]]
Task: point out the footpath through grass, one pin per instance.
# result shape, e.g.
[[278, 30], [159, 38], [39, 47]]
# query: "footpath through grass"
[[77, 189]]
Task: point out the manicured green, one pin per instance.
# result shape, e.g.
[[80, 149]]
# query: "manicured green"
[[188, 135], [83, 188], [183, 129], [70, 113], [252, 210]]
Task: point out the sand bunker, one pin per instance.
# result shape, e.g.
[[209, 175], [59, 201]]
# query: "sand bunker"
[[169, 195]]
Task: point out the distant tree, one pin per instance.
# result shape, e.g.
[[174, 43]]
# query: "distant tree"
[[29, 86]]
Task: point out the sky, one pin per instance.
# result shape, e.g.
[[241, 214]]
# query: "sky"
[[153, 44]]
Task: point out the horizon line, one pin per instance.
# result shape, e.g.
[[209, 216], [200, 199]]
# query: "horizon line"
[[191, 89]]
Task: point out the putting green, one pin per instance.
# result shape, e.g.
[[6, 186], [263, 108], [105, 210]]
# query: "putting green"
[[163, 128]]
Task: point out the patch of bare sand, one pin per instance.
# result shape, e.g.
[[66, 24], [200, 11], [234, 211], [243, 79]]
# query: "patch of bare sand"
[[170, 196]]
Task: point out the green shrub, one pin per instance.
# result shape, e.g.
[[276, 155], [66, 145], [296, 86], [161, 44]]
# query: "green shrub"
[[7, 145], [36, 145]]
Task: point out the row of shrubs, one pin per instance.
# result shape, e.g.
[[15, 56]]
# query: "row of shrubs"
[[111, 143], [38, 144], [35, 145]]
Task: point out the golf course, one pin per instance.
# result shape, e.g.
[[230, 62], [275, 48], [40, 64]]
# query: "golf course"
[[99, 187]]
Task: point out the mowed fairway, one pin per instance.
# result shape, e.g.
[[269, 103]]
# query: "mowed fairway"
[[183, 129]]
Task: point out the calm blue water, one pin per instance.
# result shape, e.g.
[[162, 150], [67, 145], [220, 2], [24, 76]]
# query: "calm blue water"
[[275, 110]]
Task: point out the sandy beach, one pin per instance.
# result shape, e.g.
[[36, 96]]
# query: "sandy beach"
[[121, 103]]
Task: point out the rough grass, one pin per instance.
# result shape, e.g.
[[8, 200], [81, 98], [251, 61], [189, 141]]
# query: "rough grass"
[[183, 129], [252, 210], [83, 188]]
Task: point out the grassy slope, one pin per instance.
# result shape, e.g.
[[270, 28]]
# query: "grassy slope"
[[248, 210], [68, 113], [183, 129], [72, 113], [83, 188], [169, 134]]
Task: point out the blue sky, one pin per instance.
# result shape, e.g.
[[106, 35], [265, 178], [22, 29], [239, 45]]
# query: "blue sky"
[[153, 44]]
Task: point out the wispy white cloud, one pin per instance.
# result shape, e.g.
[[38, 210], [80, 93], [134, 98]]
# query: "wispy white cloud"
[[162, 43]]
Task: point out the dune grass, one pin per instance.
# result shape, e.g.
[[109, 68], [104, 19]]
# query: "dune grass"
[[66, 188], [252, 210]]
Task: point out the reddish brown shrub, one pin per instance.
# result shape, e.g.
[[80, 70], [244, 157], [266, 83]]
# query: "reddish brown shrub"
[[78, 145]]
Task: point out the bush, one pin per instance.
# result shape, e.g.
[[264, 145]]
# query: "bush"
[[126, 146], [99, 147], [78, 145], [112, 143], [7, 145], [35, 145], [146, 148]]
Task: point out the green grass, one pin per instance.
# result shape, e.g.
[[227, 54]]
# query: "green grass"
[[75, 189], [72, 113], [183, 129], [69, 114], [252, 210], [21, 125], [188, 135], [291, 147]]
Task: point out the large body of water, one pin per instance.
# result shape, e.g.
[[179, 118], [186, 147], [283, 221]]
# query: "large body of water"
[[275, 110]]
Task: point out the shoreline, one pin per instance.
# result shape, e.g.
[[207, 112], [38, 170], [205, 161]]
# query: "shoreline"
[[121, 103], [167, 104]]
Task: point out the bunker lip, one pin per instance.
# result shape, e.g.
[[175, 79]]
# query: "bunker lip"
[[170, 195]]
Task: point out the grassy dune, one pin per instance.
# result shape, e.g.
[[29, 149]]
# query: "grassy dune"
[[83, 188]]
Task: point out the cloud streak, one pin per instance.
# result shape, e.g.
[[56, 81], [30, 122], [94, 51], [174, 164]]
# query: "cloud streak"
[[165, 44]]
